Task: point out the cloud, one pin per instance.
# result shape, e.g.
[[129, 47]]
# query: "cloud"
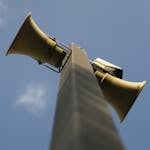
[[33, 98]]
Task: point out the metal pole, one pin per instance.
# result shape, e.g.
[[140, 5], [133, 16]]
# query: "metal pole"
[[82, 119]]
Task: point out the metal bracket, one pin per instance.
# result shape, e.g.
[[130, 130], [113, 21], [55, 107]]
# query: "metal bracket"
[[69, 51]]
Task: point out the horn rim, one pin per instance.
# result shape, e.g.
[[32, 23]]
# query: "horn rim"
[[28, 17]]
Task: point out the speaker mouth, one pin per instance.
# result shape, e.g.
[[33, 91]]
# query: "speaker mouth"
[[33, 42], [119, 93]]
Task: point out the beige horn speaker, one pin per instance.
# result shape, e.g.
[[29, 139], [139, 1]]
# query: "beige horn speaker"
[[119, 93], [31, 41]]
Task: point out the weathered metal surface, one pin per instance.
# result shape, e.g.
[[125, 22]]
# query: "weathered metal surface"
[[82, 119]]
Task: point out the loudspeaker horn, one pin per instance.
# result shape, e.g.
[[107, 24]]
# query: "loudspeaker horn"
[[31, 41], [120, 94]]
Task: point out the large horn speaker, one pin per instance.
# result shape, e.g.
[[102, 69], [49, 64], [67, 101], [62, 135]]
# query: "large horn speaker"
[[119, 93], [31, 41]]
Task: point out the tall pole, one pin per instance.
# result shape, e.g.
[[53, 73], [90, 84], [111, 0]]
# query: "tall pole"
[[82, 119]]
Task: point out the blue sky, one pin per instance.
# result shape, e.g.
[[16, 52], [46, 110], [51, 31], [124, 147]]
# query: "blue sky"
[[118, 31]]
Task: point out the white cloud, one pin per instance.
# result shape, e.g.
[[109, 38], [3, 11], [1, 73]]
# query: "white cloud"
[[33, 98]]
